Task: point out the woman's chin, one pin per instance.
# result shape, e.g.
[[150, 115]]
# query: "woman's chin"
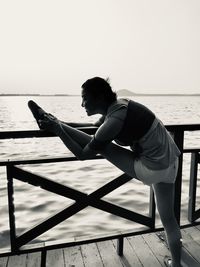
[[88, 113]]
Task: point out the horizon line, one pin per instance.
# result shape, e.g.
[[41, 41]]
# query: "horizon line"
[[131, 94]]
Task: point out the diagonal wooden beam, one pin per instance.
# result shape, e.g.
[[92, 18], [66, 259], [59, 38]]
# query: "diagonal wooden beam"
[[64, 190], [49, 223], [82, 200], [46, 184], [122, 212], [75, 208]]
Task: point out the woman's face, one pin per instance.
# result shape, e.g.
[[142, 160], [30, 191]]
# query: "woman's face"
[[89, 103]]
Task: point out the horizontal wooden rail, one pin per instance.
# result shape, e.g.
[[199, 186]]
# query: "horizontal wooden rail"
[[46, 160], [89, 130], [38, 133]]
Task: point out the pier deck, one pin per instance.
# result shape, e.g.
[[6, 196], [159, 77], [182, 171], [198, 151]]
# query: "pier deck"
[[139, 251]]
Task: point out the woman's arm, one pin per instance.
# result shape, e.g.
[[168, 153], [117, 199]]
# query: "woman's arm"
[[85, 124], [105, 134], [79, 124]]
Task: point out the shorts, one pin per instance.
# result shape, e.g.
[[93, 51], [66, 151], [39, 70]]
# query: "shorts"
[[149, 176], [158, 149]]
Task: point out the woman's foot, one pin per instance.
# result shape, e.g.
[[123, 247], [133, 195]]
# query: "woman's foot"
[[168, 261], [37, 112], [50, 123]]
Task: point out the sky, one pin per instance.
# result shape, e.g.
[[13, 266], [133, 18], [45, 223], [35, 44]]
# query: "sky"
[[53, 46]]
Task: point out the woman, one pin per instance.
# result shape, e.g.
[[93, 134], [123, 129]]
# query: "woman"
[[152, 159]]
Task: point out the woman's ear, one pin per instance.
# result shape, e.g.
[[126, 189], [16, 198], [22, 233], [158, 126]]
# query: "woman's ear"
[[101, 99]]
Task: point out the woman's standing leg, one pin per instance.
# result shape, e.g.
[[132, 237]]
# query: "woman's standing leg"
[[164, 193]]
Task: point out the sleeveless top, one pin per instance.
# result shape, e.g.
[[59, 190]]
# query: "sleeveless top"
[[144, 133], [137, 123]]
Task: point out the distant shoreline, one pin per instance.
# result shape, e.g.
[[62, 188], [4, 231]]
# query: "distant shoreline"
[[37, 95], [119, 94], [125, 92]]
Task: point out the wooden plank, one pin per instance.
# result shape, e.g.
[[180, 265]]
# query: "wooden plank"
[[157, 247], [191, 245], [143, 251], [129, 258], [194, 233], [198, 227], [55, 258], [73, 257], [91, 255], [187, 259], [3, 262], [109, 254], [34, 259], [17, 261]]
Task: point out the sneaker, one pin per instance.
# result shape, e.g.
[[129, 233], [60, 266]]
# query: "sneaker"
[[167, 261], [37, 111]]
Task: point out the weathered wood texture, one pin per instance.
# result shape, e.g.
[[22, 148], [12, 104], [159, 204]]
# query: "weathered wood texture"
[[25, 260], [146, 250]]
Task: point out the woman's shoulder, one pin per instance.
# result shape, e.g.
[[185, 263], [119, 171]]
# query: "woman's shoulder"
[[118, 109], [120, 103]]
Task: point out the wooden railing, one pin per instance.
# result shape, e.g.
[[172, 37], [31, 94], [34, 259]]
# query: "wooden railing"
[[82, 200]]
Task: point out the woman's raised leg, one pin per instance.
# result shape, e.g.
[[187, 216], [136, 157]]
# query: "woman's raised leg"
[[79, 136], [121, 157]]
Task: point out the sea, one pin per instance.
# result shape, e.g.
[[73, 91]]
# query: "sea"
[[33, 204]]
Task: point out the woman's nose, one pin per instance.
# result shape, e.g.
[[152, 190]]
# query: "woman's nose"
[[83, 104]]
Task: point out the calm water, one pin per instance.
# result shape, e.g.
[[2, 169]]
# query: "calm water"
[[34, 204]]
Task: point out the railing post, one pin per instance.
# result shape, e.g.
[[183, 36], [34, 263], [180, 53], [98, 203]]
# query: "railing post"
[[179, 140], [43, 258], [11, 208], [120, 246], [195, 159], [152, 207]]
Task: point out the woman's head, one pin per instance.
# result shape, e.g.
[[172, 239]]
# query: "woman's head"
[[97, 95], [99, 88]]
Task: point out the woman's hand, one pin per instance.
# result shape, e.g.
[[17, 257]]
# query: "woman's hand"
[[50, 123]]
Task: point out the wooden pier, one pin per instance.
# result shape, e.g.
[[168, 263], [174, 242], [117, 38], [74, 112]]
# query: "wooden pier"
[[147, 250]]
